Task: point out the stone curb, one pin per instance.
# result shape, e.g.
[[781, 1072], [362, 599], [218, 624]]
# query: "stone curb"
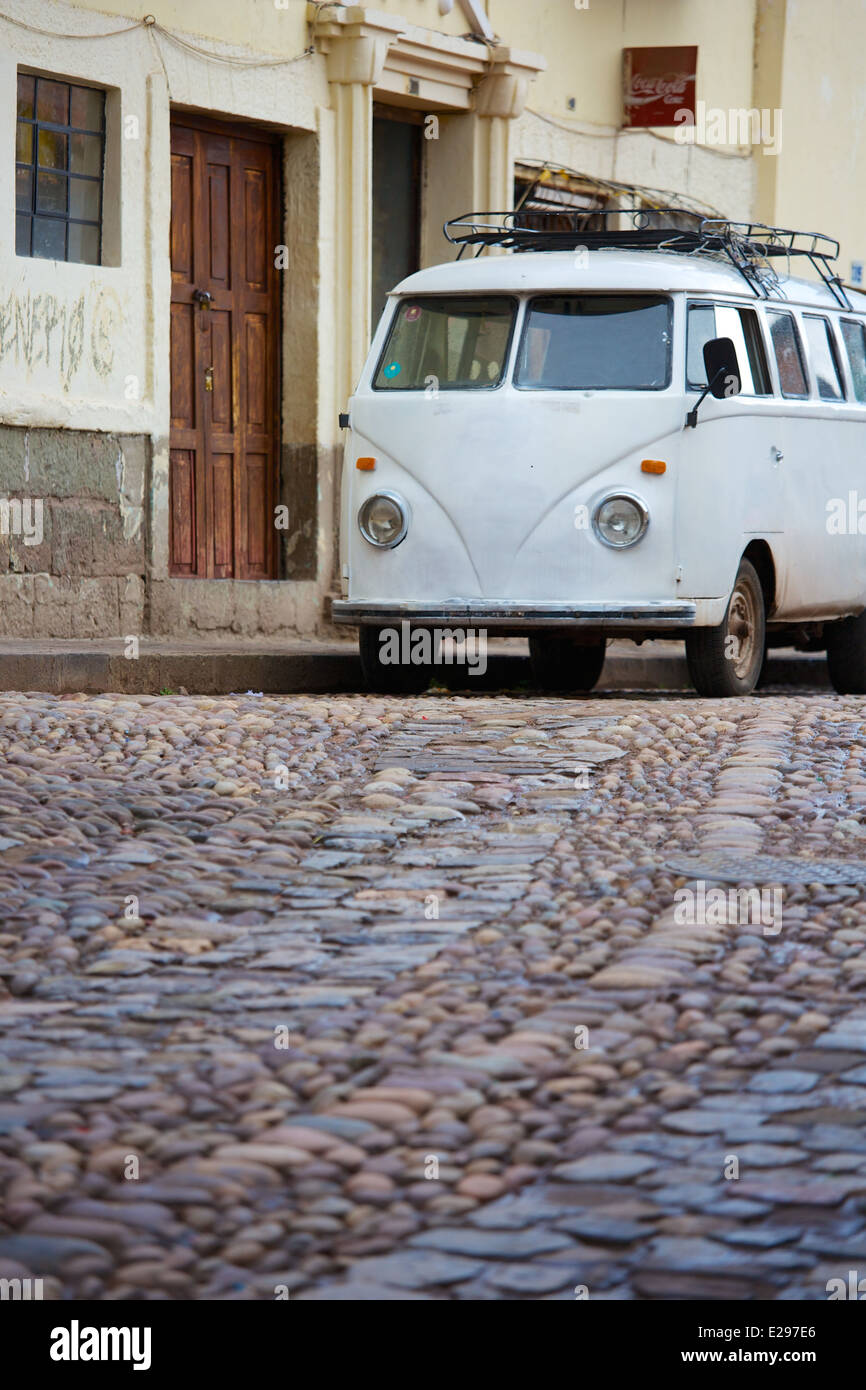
[[328, 670]]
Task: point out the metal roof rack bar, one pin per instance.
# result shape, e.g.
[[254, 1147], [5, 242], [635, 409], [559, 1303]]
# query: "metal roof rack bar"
[[749, 246]]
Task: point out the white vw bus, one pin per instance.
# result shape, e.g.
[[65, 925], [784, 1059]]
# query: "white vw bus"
[[533, 449]]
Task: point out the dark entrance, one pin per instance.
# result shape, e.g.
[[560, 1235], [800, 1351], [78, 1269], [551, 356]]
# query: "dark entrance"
[[397, 137]]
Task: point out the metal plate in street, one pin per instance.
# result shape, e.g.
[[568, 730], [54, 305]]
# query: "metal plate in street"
[[767, 868]]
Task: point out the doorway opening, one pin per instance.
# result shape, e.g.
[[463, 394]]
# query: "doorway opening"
[[225, 350], [397, 166]]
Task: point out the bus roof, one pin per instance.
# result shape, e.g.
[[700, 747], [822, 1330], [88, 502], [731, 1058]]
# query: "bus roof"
[[537, 272]]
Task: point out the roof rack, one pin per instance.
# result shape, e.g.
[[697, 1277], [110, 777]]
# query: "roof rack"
[[749, 246]]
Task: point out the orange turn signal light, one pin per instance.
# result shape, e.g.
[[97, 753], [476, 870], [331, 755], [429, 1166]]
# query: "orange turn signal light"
[[366, 465], [652, 466]]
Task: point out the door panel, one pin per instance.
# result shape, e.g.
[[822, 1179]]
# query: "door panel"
[[182, 511], [219, 226], [256, 490], [182, 357], [221, 365], [822, 574], [181, 222], [224, 353], [255, 208], [255, 380], [221, 498], [730, 491]]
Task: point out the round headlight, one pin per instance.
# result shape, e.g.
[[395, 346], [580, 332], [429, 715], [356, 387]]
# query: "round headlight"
[[620, 520], [384, 519]]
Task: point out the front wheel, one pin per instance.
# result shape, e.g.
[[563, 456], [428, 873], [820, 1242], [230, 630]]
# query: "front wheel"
[[558, 663], [846, 655], [727, 660], [386, 663]]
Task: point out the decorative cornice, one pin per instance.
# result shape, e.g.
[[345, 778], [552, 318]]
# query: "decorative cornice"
[[355, 40], [504, 90], [419, 67], [434, 71]]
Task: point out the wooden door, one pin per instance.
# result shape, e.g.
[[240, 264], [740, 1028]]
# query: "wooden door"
[[223, 449]]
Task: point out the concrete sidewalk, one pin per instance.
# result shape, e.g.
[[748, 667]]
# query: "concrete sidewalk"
[[305, 665]]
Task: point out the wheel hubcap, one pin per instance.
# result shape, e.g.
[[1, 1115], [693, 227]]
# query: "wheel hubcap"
[[743, 628]]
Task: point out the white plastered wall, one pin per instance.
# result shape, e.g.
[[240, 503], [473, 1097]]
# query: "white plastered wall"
[[78, 342]]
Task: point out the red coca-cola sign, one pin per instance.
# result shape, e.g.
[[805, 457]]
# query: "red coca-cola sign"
[[658, 82]]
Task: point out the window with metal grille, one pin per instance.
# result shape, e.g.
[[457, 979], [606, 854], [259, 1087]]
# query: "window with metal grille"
[[59, 159], [550, 201]]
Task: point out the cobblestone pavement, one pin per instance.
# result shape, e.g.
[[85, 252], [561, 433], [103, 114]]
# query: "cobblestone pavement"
[[267, 964]]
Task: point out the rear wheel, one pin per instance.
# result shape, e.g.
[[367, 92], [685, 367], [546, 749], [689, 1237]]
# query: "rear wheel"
[[846, 655], [559, 663], [384, 672], [727, 660]]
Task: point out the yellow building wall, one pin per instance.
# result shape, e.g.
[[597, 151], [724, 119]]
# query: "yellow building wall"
[[263, 24], [819, 180], [256, 23], [583, 49]]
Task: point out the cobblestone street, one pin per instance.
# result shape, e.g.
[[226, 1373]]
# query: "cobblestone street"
[[366, 998]]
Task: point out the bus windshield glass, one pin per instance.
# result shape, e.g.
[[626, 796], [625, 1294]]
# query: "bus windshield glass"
[[596, 342], [447, 343]]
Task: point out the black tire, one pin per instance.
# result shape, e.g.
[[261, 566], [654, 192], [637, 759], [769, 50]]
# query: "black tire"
[[727, 660], [846, 655], [559, 663], [395, 678]]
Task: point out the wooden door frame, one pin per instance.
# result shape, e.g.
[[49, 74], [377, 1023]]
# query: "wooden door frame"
[[252, 131], [221, 125]]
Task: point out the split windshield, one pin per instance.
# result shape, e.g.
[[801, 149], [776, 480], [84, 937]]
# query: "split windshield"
[[590, 342]]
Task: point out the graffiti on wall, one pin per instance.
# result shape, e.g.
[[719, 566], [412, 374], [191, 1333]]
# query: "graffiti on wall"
[[59, 334]]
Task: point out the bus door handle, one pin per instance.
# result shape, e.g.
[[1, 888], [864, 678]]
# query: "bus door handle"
[[777, 455]]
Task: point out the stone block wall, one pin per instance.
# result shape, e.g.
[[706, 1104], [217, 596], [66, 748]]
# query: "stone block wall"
[[72, 533], [74, 547]]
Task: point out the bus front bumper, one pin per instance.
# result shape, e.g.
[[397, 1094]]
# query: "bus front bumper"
[[517, 617]]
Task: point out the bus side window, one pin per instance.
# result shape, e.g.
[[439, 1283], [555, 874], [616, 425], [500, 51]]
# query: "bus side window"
[[700, 329], [854, 338], [755, 349], [733, 323], [789, 358], [822, 351]]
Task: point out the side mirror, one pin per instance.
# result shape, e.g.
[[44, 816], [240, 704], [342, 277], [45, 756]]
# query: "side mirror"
[[723, 374], [722, 367]]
